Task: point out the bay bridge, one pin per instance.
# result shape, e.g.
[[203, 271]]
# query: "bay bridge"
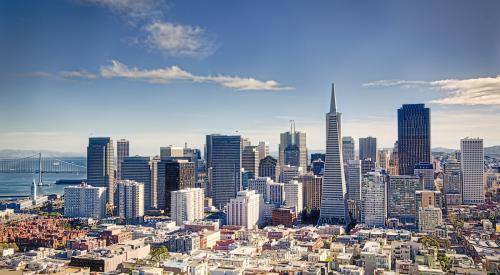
[[37, 163]]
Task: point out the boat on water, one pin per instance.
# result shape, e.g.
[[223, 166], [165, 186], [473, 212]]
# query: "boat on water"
[[70, 181]]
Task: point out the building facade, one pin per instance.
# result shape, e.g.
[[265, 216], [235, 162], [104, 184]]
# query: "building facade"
[[472, 166], [245, 210], [173, 176], [85, 201], [187, 205], [100, 165], [373, 199], [130, 200], [143, 170], [368, 148], [122, 151]]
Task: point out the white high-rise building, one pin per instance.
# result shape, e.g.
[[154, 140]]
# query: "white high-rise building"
[[334, 199], [293, 195], [85, 201], [130, 200], [246, 209], [373, 199], [275, 193], [260, 185], [472, 165], [187, 205], [263, 149]]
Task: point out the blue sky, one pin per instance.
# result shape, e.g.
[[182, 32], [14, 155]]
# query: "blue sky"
[[161, 73]]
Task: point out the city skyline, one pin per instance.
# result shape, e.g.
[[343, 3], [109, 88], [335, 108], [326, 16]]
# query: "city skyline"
[[147, 61]]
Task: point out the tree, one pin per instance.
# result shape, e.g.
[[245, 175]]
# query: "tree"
[[159, 254]]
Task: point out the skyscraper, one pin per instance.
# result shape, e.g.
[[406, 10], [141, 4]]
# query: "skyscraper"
[[368, 148], [173, 175], [353, 181], [348, 149], [374, 199], [383, 159], [143, 170], [414, 137], [401, 197], [268, 167], [312, 186], [250, 161], [100, 165], [171, 151], [334, 199], [130, 200], [426, 173], [122, 151], [225, 160], [187, 205], [292, 148], [263, 149], [472, 165], [293, 196]]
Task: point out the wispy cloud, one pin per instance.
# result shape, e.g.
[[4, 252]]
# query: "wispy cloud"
[[172, 39], [83, 74], [169, 74], [179, 40], [472, 91], [395, 82], [132, 11]]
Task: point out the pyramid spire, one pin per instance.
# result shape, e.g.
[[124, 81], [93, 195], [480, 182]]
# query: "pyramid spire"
[[333, 104]]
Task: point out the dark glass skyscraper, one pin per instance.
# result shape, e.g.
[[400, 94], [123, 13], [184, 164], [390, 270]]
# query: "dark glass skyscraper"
[[368, 148], [100, 165], [414, 137]]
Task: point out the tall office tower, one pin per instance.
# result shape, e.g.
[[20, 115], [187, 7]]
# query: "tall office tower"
[[316, 156], [294, 143], [414, 137], [368, 148], [452, 188], [225, 161], [311, 192], [100, 165], [401, 197], [245, 142], [394, 161], [263, 149], [288, 173], [250, 160], [383, 157], [143, 170], [374, 201], [260, 186], [334, 199], [294, 196], [472, 164], [187, 205], [367, 165], [85, 201], [171, 151], [173, 175], [348, 149], [426, 173], [122, 151], [353, 181], [246, 209], [275, 193], [130, 200], [268, 167]]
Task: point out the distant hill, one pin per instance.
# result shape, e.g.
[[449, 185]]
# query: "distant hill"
[[492, 151], [14, 153], [443, 150]]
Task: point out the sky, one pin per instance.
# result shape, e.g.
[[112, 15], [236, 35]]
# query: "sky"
[[169, 72]]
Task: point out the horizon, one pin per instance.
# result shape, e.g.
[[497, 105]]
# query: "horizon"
[[168, 72]]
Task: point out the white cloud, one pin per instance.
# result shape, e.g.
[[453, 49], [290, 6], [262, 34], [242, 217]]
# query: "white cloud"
[[63, 74], [473, 91], [395, 82], [77, 74], [169, 74], [132, 11], [179, 40]]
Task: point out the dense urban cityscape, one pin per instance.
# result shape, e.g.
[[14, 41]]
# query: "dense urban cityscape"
[[284, 137], [240, 210]]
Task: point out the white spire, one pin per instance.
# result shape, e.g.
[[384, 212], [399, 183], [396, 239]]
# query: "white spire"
[[333, 104]]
